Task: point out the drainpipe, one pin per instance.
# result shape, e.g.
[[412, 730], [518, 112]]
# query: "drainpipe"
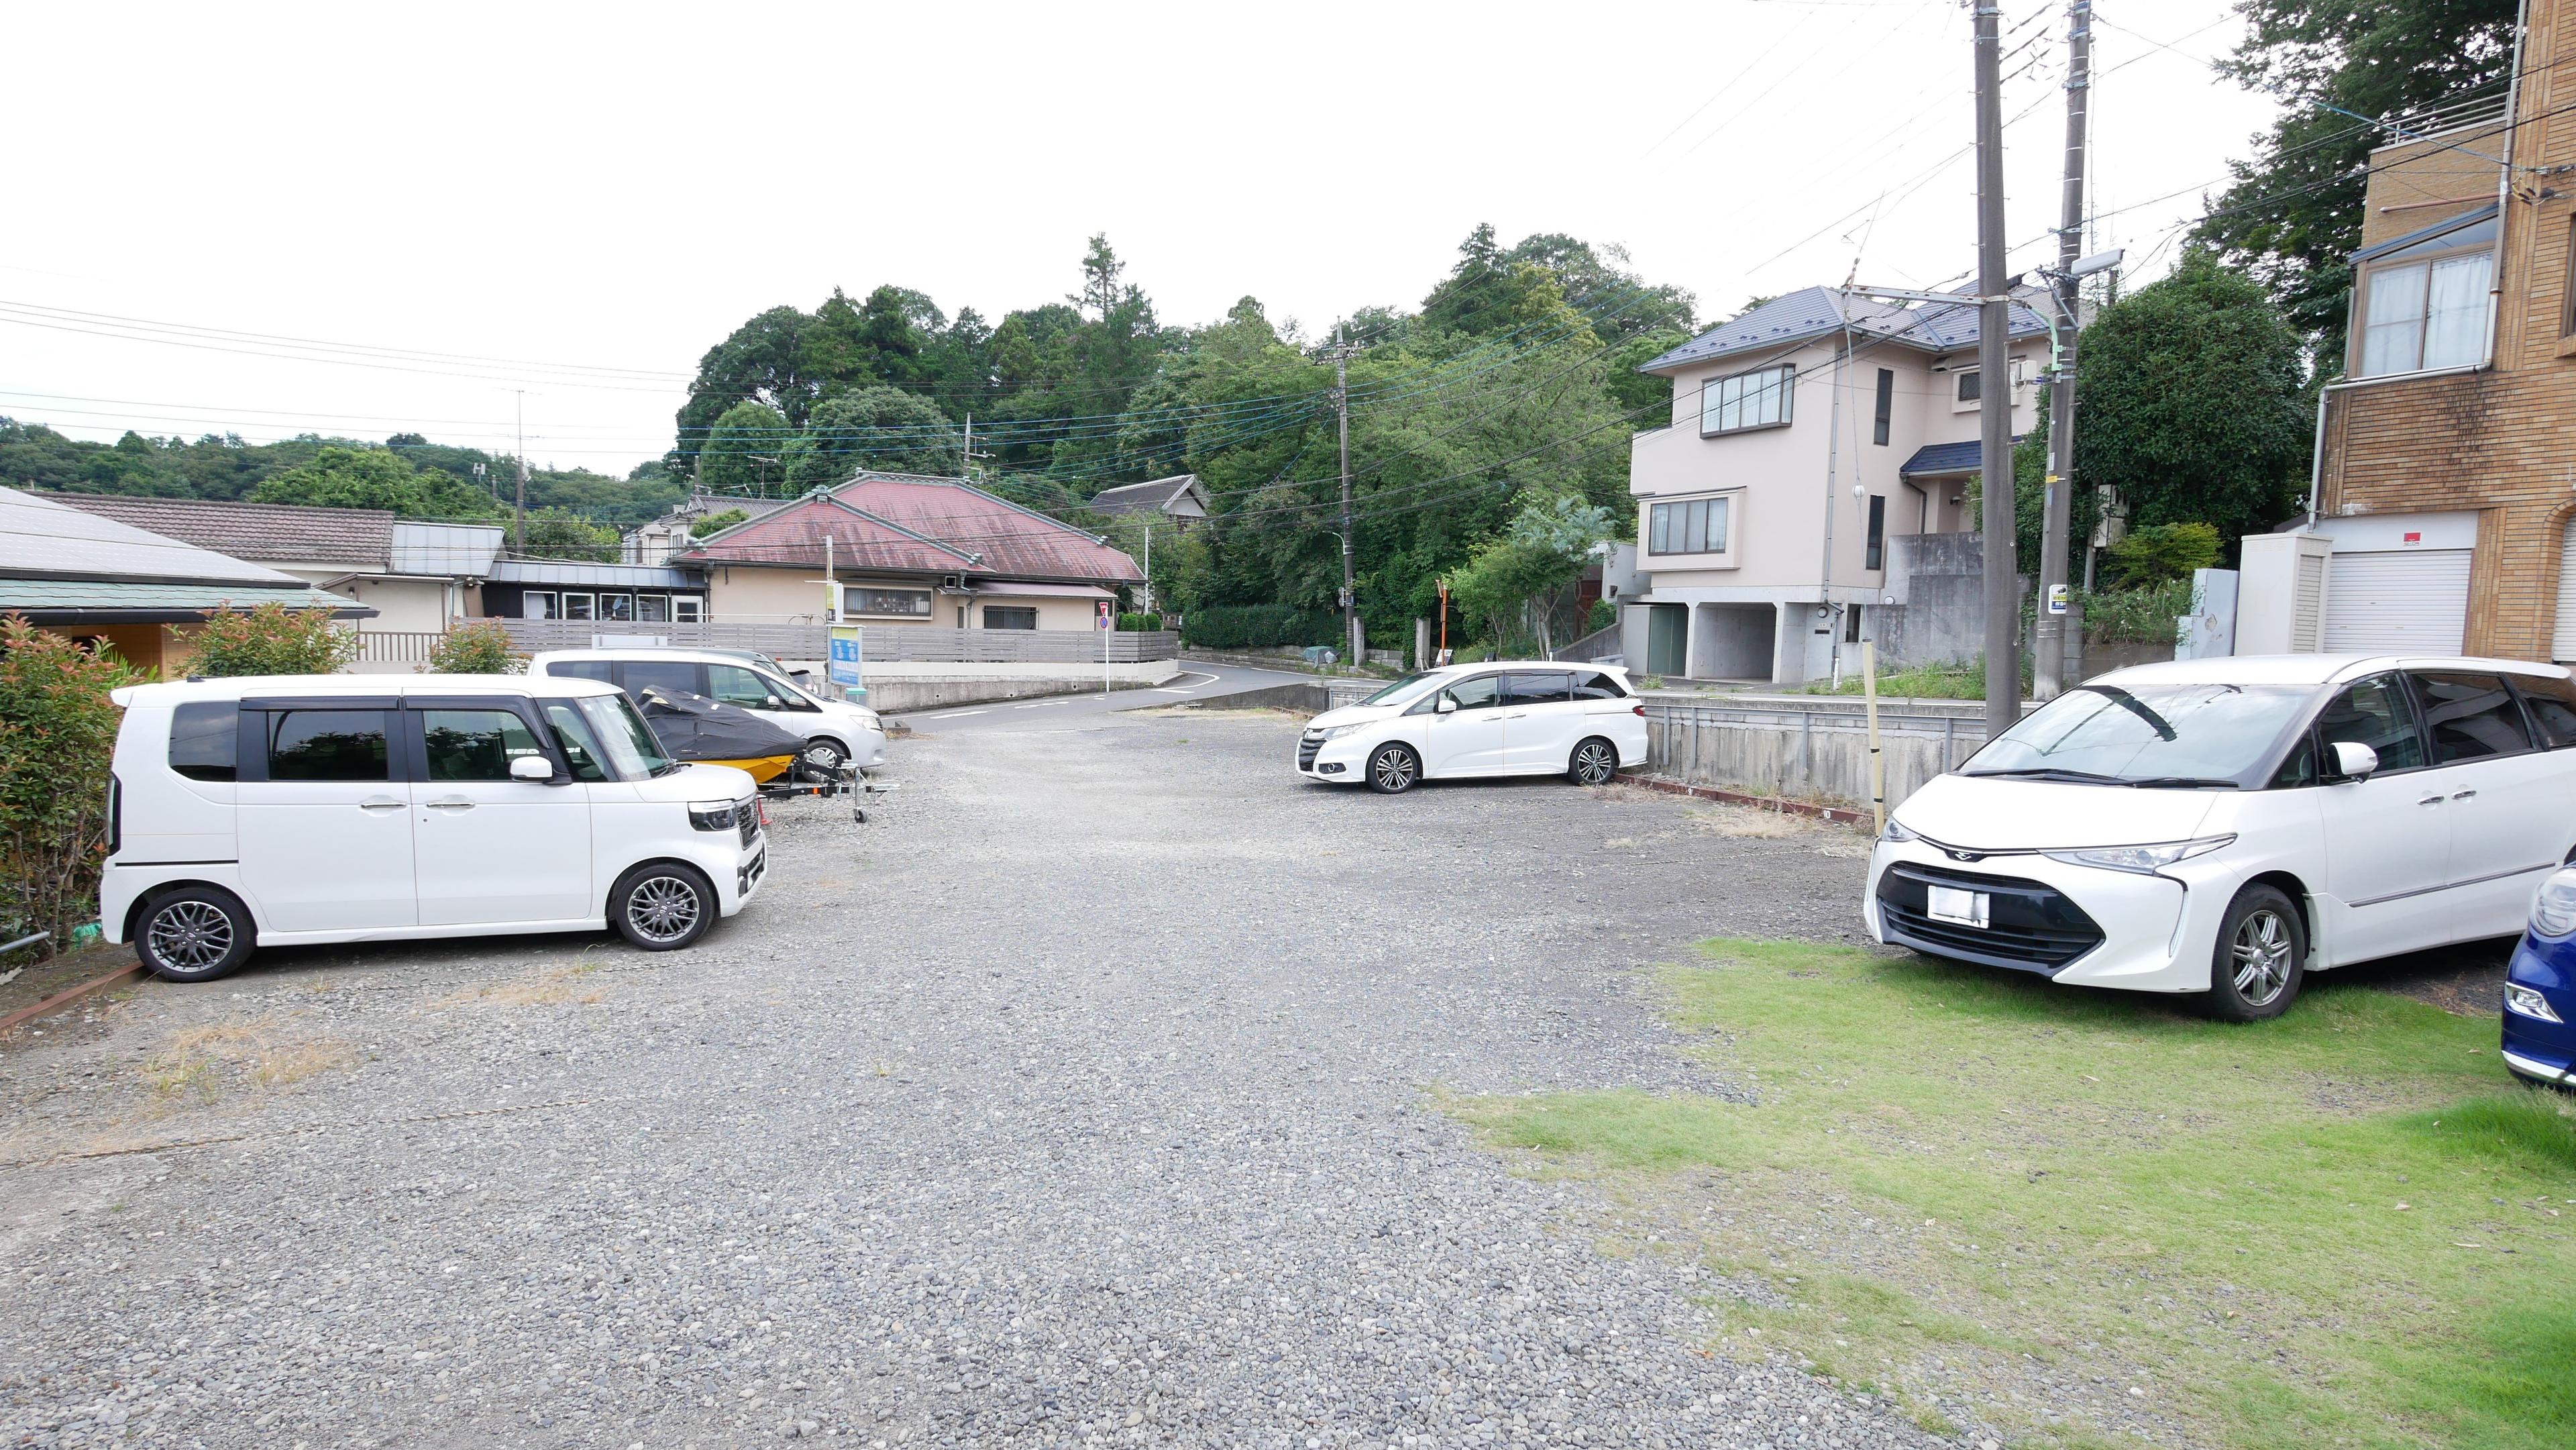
[[2504, 177]]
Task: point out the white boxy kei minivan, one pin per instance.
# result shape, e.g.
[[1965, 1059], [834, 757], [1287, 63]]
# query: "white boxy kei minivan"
[[272, 811]]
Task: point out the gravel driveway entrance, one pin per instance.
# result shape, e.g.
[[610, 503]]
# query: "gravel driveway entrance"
[[1082, 1097]]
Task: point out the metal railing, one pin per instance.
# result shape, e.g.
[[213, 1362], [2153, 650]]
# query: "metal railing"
[[783, 641], [903, 643], [1960, 735], [397, 646], [1593, 648]]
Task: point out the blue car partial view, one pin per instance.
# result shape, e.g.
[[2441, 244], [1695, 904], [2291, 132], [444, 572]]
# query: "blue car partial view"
[[2540, 989]]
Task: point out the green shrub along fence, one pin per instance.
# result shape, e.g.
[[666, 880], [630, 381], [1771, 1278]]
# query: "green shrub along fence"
[[1258, 626]]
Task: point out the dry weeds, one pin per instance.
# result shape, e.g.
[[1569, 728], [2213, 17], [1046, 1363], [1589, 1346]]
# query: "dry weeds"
[[563, 986], [262, 1052]]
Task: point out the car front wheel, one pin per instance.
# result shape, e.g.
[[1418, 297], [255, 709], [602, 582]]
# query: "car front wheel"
[[1595, 762], [2261, 957], [194, 934], [1393, 769], [823, 759], [662, 906]]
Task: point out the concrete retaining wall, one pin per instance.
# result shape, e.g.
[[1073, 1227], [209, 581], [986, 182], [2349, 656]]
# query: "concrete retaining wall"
[[896, 694], [1813, 755], [1304, 699]]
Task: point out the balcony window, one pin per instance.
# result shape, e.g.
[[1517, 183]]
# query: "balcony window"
[[1746, 401], [1697, 526], [2427, 304]]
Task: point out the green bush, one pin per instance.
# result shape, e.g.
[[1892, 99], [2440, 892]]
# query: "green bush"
[[717, 523], [1259, 626], [57, 736], [1137, 623], [476, 649], [272, 640], [2136, 616], [2163, 554], [1603, 615]]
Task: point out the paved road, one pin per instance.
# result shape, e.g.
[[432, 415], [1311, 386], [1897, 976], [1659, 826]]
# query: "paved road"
[[1199, 682], [1089, 1096]]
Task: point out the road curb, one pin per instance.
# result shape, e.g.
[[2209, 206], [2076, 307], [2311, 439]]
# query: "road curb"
[[67, 997], [1839, 815]]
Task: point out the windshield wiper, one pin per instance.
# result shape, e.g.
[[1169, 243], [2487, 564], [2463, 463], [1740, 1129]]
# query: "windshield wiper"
[[2183, 782], [2050, 772]]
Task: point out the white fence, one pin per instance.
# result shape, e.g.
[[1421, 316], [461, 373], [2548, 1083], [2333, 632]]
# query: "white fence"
[[782, 641], [900, 643]]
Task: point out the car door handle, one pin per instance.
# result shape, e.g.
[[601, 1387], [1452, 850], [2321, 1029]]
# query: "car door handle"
[[2463, 795], [2430, 800], [379, 803], [453, 804]]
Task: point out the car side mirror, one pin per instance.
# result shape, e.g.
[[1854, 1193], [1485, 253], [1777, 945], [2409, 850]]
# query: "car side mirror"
[[1447, 706], [531, 767], [2354, 760], [771, 702]]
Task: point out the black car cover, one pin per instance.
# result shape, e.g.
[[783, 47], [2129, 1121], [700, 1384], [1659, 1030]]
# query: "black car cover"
[[693, 727]]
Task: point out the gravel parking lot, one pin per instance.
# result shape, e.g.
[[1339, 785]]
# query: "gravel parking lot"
[[1087, 1095]]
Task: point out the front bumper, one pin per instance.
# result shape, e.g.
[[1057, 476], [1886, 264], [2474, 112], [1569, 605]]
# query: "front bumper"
[[2534, 1047], [1339, 762], [868, 751], [2080, 925]]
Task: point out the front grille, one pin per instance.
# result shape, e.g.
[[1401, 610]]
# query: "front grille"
[[1307, 749], [2032, 925], [749, 813]]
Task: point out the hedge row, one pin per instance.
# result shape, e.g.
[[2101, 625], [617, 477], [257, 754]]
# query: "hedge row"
[[1258, 626]]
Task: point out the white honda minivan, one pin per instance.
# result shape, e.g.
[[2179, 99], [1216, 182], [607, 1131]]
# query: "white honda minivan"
[[277, 810]]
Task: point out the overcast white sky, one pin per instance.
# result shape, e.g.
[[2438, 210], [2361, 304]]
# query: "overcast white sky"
[[617, 187]]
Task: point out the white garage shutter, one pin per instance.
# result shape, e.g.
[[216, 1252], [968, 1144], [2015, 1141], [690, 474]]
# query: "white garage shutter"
[[2414, 601], [2562, 640]]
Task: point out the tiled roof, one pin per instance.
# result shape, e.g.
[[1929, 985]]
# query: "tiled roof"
[[41, 537], [43, 598], [362, 538], [1816, 312], [1966, 456], [919, 524]]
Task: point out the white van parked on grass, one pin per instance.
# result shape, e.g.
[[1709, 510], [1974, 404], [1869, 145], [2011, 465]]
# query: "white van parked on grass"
[[835, 732], [279, 810]]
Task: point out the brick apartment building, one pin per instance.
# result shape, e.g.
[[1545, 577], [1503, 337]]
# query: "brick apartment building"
[[2446, 470]]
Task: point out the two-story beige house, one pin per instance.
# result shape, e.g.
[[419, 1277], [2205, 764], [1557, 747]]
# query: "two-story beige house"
[[1806, 437]]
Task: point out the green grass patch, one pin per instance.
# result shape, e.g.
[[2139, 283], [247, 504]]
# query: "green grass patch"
[[2343, 1226]]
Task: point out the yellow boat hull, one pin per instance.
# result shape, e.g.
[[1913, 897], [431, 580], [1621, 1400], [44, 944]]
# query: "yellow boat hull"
[[763, 769]]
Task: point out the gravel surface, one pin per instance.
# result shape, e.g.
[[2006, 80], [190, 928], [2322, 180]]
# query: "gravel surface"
[[1085, 1096]]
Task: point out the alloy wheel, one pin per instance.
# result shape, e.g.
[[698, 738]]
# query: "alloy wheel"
[[2261, 952], [664, 908], [1393, 770], [1594, 764], [191, 935]]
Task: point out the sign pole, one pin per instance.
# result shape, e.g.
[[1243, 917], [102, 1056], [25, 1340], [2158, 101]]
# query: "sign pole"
[[1877, 761]]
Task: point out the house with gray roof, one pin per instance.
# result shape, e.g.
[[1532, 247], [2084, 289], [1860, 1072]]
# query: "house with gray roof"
[[140, 593], [1180, 498], [1813, 442]]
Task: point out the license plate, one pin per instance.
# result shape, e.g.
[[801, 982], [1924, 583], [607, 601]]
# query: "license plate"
[[1959, 907]]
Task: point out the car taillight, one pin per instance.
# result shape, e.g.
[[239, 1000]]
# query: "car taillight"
[[1641, 707], [115, 814]]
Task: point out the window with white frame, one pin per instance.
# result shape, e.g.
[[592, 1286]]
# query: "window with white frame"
[[538, 604], [1687, 526], [688, 609], [652, 608], [895, 603], [579, 606], [2422, 314], [1758, 399], [617, 606]]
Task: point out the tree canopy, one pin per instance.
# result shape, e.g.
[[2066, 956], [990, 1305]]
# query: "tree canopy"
[[2293, 215]]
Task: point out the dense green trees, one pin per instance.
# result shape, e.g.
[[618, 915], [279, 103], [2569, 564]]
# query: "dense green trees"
[[2293, 215], [373, 478]]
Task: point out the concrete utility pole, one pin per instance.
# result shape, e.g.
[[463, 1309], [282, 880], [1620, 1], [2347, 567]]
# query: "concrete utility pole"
[[1995, 391], [1353, 640], [519, 517], [2048, 630]]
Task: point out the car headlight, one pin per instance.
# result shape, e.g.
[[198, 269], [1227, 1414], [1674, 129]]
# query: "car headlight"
[[1338, 731], [2142, 859], [870, 719], [713, 815], [2529, 1002], [1896, 832], [2553, 907]]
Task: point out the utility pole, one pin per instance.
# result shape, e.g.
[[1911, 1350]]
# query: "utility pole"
[[1995, 393], [519, 518], [2048, 629], [1352, 639]]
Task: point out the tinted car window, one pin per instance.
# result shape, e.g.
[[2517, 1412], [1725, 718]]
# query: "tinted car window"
[[680, 675], [582, 669], [327, 745], [2373, 713], [203, 738], [475, 744], [573, 737], [2471, 716], [2300, 768], [1537, 689], [1593, 685], [737, 686], [1481, 693], [2553, 708]]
